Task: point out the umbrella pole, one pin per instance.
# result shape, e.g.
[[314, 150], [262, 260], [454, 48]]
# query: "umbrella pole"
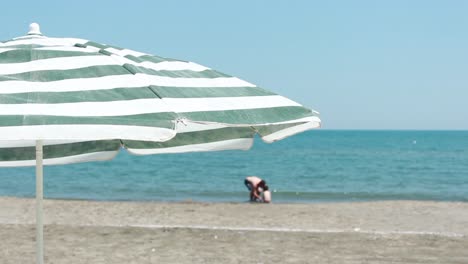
[[39, 197]]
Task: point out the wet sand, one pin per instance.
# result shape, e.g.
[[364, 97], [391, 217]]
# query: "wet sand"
[[144, 232]]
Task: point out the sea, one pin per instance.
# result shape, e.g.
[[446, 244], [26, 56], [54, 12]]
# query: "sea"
[[311, 167]]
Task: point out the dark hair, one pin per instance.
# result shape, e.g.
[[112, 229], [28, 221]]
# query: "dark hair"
[[265, 188]]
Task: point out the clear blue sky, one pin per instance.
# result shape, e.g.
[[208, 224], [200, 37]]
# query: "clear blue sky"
[[362, 64]]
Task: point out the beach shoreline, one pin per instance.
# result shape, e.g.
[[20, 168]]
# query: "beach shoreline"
[[199, 232]]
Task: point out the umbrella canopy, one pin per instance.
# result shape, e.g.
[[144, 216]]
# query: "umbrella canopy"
[[86, 100]]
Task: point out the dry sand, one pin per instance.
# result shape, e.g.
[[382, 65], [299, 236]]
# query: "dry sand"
[[137, 232]]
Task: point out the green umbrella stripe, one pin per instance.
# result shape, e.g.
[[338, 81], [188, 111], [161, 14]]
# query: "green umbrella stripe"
[[60, 150], [116, 81], [58, 57], [195, 137], [252, 116], [103, 70], [130, 94], [58, 75], [164, 120], [177, 73], [209, 136], [53, 71], [207, 92], [171, 66], [31, 62], [150, 105], [97, 45], [150, 58], [117, 94], [84, 45], [21, 55], [61, 63]]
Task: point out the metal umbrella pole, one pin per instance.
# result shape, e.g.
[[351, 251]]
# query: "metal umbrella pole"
[[39, 197]]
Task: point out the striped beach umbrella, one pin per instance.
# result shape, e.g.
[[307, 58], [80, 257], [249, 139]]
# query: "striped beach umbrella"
[[67, 100]]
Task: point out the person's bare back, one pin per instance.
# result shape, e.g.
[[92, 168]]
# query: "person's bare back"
[[254, 180]]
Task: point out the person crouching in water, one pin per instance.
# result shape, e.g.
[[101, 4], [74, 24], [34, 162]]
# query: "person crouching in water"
[[257, 187]]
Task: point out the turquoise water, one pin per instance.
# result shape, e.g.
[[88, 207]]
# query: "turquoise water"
[[316, 166]]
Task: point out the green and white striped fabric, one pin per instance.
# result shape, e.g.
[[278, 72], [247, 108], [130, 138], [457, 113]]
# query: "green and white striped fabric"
[[87, 100]]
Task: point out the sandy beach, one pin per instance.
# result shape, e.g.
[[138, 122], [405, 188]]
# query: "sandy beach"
[[191, 232]]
